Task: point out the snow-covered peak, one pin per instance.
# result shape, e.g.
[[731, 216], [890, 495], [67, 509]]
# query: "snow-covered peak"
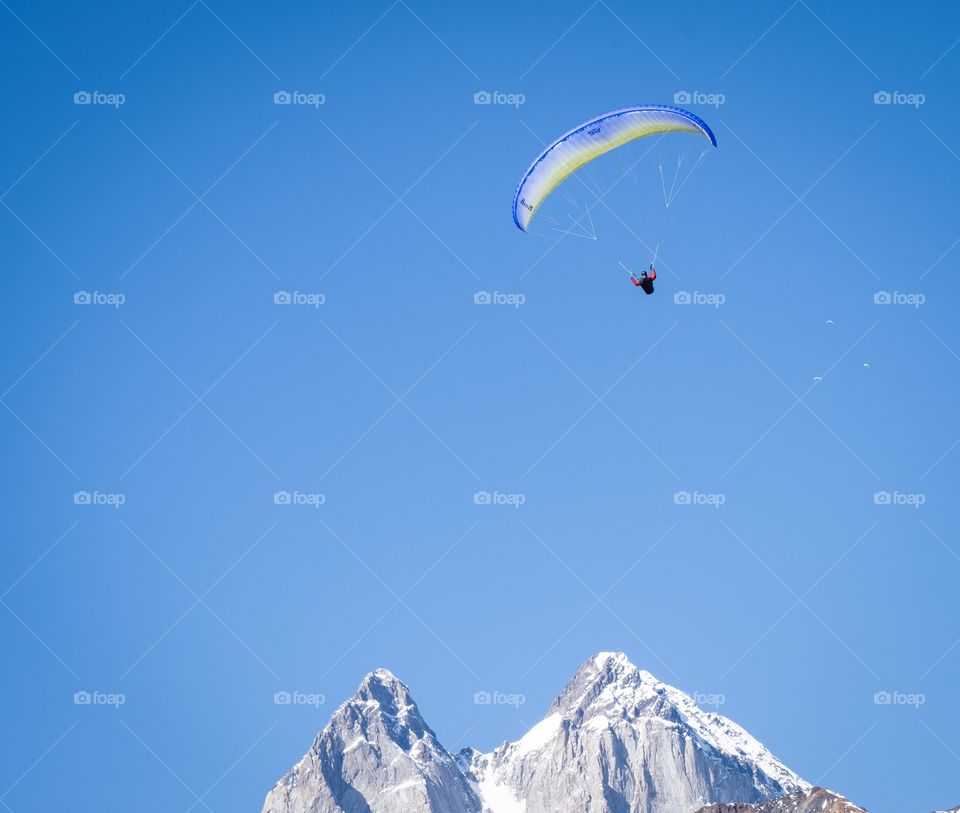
[[381, 707], [383, 680], [376, 754], [382, 688], [613, 663], [608, 678], [601, 659], [608, 691]]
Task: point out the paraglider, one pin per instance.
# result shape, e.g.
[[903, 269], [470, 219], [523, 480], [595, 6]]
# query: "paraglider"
[[645, 280], [592, 139], [577, 148]]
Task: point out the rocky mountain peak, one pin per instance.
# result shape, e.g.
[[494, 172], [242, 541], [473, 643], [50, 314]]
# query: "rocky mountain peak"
[[814, 800], [382, 707], [616, 740], [389, 694], [604, 681]]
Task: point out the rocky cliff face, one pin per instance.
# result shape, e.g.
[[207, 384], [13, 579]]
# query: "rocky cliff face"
[[376, 755], [619, 740], [816, 800], [616, 740]]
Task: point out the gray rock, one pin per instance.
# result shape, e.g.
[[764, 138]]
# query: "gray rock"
[[816, 800], [376, 755]]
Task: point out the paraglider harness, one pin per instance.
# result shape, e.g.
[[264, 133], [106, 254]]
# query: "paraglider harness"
[[645, 280]]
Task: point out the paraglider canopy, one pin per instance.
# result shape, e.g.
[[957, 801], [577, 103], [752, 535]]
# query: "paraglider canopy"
[[594, 138]]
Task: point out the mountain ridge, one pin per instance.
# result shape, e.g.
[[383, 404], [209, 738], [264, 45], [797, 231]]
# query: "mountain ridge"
[[615, 740]]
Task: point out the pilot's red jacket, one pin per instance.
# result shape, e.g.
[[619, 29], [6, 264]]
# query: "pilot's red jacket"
[[646, 281]]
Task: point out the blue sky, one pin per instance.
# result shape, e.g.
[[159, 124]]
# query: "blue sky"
[[185, 393]]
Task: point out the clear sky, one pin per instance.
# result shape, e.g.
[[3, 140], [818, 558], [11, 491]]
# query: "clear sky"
[[182, 391]]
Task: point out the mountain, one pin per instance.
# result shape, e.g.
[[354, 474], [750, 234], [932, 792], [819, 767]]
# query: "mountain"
[[616, 740], [816, 800], [619, 740], [376, 755]]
